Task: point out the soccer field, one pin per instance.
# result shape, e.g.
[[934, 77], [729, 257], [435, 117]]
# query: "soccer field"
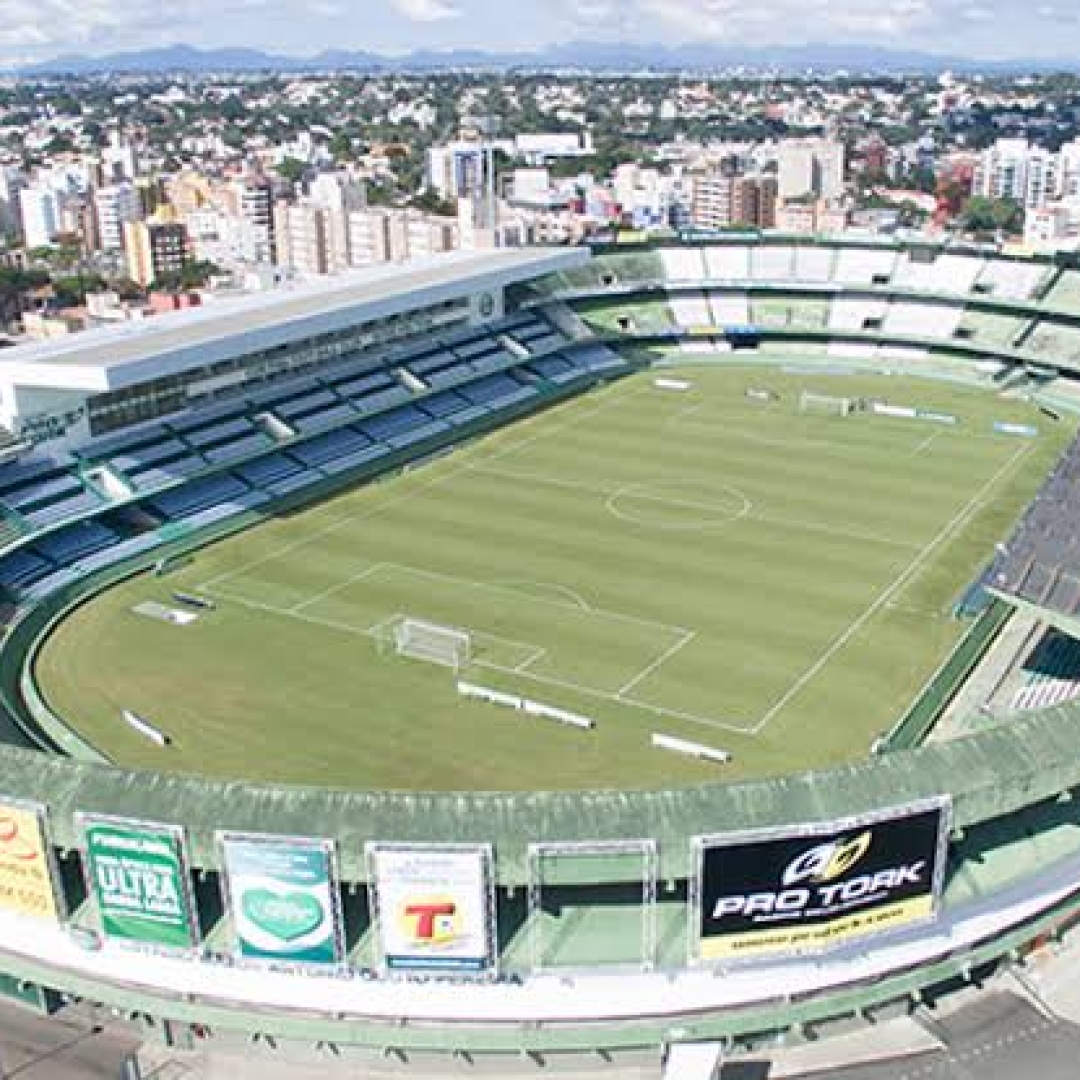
[[775, 584]]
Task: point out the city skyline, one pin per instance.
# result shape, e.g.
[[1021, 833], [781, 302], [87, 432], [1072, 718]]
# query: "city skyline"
[[990, 30]]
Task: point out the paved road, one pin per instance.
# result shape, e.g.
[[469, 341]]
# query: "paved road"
[[999, 1036], [62, 1047]]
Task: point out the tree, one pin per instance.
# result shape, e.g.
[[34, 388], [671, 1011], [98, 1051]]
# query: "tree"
[[431, 201], [291, 169], [983, 215]]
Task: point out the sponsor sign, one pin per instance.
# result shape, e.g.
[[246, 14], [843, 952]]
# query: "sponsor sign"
[[137, 873], [282, 894], [434, 906], [26, 871], [767, 892]]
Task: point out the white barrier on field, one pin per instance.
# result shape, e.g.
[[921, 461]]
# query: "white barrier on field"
[[532, 708], [903, 412], [672, 384], [693, 749], [144, 727]]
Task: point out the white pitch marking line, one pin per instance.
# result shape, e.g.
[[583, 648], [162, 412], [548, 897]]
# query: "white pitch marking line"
[[908, 573], [375, 511], [925, 444], [361, 575], [572, 595], [615, 616], [602, 487], [656, 664], [546, 680]]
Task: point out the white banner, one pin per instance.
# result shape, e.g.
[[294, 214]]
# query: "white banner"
[[434, 907]]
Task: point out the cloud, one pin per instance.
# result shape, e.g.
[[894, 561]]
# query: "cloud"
[[427, 11]]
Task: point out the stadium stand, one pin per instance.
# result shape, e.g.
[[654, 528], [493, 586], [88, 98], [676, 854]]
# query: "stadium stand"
[[1005, 279], [70, 545], [864, 266], [772, 264], [814, 264], [992, 327], [683, 264], [1051, 675], [730, 309], [852, 313], [948, 273], [691, 310], [1055, 341], [801, 313], [1041, 561], [1065, 294], [910, 319], [728, 263]]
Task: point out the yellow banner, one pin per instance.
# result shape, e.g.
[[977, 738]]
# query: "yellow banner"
[[25, 878], [798, 938]]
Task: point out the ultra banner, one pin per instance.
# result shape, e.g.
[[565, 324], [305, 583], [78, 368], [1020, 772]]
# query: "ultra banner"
[[26, 880], [764, 893], [282, 899], [434, 906], [137, 872]]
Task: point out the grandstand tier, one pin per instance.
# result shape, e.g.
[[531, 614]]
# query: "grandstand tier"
[[567, 899]]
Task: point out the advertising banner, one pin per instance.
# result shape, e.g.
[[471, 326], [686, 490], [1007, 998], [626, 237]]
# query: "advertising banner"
[[766, 893], [434, 906], [26, 871], [137, 874], [282, 894]]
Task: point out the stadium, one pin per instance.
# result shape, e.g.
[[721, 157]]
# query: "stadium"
[[650, 652]]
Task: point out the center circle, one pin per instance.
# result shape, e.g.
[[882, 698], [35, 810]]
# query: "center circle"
[[678, 505]]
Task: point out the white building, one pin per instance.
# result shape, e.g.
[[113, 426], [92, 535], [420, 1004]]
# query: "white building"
[[115, 205], [811, 167], [39, 213]]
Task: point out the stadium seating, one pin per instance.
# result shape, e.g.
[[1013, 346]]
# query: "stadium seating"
[[186, 501], [1051, 674], [910, 319], [1065, 295], [19, 569], [1055, 341], [1004, 279], [814, 264], [864, 266], [728, 263], [691, 310], [730, 309], [992, 327], [852, 313], [683, 264], [70, 545], [770, 264]]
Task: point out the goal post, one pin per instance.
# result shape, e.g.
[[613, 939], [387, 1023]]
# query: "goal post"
[[436, 643], [826, 404]]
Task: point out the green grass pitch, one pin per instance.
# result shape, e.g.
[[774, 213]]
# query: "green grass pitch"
[[769, 583]]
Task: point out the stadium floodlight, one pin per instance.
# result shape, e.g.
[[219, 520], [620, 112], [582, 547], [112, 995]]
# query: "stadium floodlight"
[[433, 642], [826, 404]]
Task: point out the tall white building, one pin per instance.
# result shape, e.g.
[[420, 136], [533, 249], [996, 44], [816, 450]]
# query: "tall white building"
[[39, 213], [812, 167], [115, 204], [254, 198], [1029, 175]]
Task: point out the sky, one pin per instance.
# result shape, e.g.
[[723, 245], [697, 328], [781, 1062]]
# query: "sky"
[[978, 29]]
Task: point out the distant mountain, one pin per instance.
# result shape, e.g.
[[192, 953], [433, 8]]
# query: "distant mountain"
[[573, 56]]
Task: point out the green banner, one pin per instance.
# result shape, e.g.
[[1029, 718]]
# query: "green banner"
[[282, 899], [138, 875]]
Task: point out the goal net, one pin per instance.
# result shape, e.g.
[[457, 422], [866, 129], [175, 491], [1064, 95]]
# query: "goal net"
[[433, 642], [825, 404]]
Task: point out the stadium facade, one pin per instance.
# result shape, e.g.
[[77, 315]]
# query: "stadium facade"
[[405, 926]]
